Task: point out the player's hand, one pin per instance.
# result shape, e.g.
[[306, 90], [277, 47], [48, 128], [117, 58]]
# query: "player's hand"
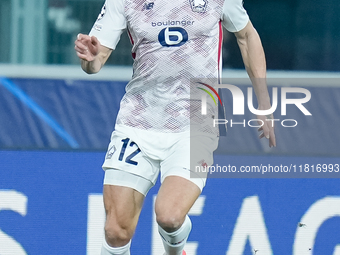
[[87, 47], [267, 130]]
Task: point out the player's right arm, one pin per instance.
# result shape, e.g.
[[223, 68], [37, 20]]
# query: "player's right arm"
[[92, 54], [94, 49]]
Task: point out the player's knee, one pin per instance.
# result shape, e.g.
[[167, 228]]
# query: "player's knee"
[[170, 221], [117, 235]]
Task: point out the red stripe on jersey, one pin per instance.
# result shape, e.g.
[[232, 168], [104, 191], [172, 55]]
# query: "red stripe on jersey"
[[132, 42], [220, 42]]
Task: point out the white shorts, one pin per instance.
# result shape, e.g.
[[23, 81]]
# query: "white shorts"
[[135, 157]]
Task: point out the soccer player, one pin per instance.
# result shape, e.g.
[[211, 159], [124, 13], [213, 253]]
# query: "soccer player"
[[173, 42]]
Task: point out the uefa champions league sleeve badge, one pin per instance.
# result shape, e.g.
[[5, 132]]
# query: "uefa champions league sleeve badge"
[[102, 13]]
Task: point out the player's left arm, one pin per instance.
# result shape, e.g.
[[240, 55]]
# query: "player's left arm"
[[255, 63]]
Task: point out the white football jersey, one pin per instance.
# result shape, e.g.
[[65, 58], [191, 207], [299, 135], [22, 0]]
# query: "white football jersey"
[[173, 42]]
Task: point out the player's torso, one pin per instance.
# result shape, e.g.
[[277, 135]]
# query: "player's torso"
[[173, 41], [174, 29]]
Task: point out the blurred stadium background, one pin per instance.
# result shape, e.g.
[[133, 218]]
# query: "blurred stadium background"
[[56, 121]]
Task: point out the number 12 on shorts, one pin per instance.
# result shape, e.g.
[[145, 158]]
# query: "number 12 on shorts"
[[128, 159]]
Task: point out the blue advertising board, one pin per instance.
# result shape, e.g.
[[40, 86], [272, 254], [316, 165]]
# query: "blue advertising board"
[[51, 203], [69, 114]]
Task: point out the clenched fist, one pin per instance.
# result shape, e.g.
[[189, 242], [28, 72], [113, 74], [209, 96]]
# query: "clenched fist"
[[87, 47]]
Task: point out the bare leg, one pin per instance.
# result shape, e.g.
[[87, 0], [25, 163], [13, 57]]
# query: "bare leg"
[[123, 206], [174, 200]]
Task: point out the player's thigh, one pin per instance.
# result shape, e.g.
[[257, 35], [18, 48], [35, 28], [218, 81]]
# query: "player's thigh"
[[186, 155], [175, 198], [123, 206], [181, 185]]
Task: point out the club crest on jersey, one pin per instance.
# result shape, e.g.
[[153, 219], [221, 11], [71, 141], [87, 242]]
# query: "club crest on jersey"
[[199, 5], [110, 152]]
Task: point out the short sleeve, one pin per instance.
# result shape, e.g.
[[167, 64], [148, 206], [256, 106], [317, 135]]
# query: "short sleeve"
[[234, 17], [110, 24]]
